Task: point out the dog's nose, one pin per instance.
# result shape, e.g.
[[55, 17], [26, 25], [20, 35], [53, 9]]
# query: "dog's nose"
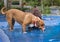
[[43, 29]]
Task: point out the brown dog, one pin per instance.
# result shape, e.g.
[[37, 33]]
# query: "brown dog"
[[23, 18]]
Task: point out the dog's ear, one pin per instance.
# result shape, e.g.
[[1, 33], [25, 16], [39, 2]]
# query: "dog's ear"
[[37, 23]]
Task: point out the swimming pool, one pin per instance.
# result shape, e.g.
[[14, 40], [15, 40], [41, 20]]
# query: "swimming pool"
[[51, 33]]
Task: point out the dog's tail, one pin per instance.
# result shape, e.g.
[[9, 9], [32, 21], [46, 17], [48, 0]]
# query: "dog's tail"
[[3, 10]]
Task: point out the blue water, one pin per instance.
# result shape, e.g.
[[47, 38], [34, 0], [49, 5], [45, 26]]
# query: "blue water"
[[51, 33]]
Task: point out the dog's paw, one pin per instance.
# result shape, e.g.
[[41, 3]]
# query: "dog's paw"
[[10, 29], [24, 32], [43, 29]]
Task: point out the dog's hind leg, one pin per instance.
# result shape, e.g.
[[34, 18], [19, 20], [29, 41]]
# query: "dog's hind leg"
[[11, 22]]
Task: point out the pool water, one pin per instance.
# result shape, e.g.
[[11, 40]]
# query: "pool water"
[[51, 33]]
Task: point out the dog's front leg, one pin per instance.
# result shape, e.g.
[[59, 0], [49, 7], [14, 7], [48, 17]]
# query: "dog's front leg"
[[26, 21], [24, 28]]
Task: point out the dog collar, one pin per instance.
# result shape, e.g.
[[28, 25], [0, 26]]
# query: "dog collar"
[[35, 21]]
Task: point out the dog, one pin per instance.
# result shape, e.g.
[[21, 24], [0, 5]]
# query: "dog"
[[23, 18]]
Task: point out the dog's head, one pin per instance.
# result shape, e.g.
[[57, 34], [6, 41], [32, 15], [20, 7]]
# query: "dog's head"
[[39, 23]]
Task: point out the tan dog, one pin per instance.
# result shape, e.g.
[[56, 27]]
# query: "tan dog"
[[22, 18]]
